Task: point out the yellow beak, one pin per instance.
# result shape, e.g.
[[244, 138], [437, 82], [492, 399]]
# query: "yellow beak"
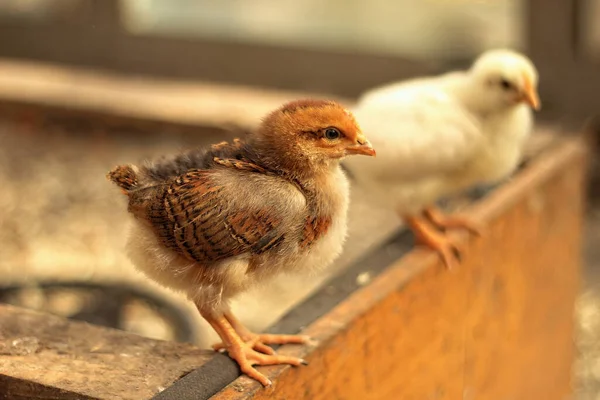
[[530, 95], [362, 146]]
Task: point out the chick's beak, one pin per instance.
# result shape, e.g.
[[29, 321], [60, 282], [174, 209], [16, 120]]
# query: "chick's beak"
[[530, 96], [361, 146]]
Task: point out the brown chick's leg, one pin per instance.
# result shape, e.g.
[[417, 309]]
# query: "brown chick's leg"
[[259, 341], [243, 353], [429, 236], [443, 221]]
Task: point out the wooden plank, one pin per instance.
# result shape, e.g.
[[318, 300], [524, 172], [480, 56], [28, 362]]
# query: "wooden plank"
[[519, 328], [43, 356], [500, 327], [181, 102]]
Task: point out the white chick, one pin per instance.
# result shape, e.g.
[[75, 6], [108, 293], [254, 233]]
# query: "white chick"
[[438, 136]]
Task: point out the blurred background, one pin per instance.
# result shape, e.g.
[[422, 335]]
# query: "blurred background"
[[88, 84]]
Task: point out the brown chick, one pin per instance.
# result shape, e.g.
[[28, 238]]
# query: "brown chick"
[[214, 222]]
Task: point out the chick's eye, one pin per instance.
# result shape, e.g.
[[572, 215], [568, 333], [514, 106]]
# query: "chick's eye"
[[332, 133], [506, 85]]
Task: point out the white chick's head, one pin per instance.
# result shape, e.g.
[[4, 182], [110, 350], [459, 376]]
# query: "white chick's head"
[[504, 79]]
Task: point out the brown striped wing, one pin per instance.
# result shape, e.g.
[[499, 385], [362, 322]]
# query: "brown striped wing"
[[199, 222]]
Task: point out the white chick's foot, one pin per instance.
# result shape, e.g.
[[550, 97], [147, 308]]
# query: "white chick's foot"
[[445, 222], [429, 236]]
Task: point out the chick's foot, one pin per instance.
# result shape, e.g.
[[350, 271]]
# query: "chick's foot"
[[247, 357], [429, 236], [249, 349], [259, 342]]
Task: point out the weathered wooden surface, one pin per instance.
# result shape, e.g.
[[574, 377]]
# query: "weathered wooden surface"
[[500, 327], [47, 357]]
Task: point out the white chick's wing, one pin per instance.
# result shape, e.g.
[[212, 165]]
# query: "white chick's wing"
[[418, 131]]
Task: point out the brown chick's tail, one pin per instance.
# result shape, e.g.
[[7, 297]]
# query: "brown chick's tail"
[[125, 177]]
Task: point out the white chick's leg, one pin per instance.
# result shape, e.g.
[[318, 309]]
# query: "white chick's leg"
[[242, 352], [443, 221], [259, 341], [430, 236]]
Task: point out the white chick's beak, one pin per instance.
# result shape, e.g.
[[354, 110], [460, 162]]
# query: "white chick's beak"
[[530, 95], [361, 146]]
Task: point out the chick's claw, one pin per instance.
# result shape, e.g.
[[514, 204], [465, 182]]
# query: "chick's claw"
[[449, 253], [247, 357], [429, 236]]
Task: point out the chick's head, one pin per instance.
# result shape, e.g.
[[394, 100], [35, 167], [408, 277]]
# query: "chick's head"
[[506, 78], [311, 134]]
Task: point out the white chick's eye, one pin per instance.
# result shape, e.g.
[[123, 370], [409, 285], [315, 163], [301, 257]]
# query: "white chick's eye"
[[506, 85], [332, 134]]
